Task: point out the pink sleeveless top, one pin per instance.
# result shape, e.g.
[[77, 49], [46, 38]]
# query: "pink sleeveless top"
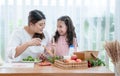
[[61, 47]]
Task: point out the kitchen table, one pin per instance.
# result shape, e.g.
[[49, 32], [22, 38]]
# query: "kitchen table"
[[54, 71]]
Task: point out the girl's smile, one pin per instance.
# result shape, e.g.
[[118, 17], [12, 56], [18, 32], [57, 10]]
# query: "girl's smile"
[[61, 27]]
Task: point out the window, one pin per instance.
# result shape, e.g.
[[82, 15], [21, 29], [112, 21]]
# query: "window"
[[93, 20]]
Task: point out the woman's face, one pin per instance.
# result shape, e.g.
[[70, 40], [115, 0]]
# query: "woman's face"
[[39, 26], [61, 28]]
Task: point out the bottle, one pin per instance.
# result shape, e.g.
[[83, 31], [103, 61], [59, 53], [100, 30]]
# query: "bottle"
[[71, 50]]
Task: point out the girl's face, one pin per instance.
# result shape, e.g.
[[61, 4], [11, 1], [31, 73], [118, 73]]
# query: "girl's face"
[[61, 28], [39, 26]]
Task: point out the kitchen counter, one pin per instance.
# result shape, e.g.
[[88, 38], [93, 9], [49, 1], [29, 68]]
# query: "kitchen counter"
[[54, 71]]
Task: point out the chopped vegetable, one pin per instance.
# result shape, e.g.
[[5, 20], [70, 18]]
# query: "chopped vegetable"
[[95, 62], [30, 58], [52, 59]]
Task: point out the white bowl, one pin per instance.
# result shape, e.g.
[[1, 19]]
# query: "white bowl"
[[37, 49]]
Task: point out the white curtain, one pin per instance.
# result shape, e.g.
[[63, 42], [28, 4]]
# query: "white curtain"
[[93, 19], [117, 20]]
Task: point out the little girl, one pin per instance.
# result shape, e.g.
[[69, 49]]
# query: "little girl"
[[64, 36]]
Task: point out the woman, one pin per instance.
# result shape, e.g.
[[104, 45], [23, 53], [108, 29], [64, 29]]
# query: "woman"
[[29, 41]]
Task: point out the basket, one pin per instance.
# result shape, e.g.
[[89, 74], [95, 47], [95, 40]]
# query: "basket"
[[85, 55], [63, 65]]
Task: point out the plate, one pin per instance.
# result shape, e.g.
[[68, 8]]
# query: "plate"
[[31, 61], [26, 61], [44, 63]]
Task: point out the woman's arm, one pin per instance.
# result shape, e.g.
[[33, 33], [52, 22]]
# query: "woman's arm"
[[16, 47], [21, 48]]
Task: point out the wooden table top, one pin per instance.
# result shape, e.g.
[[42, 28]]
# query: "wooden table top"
[[54, 71]]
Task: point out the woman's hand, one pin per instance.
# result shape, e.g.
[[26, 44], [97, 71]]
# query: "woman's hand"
[[35, 42]]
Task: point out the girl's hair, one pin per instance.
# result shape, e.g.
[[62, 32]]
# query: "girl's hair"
[[70, 30], [34, 17]]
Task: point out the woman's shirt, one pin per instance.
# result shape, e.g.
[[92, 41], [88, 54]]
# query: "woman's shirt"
[[61, 46], [20, 36]]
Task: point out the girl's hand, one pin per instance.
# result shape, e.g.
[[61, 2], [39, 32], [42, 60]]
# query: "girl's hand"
[[35, 42], [48, 51], [51, 51], [42, 57]]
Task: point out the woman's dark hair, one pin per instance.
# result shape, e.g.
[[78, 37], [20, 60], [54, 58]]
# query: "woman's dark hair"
[[34, 17], [70, 30]]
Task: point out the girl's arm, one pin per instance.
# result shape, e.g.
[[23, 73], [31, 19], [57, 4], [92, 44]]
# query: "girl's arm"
[[50, 48]]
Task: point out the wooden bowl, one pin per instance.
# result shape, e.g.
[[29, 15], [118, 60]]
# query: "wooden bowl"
[[85, 55]]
